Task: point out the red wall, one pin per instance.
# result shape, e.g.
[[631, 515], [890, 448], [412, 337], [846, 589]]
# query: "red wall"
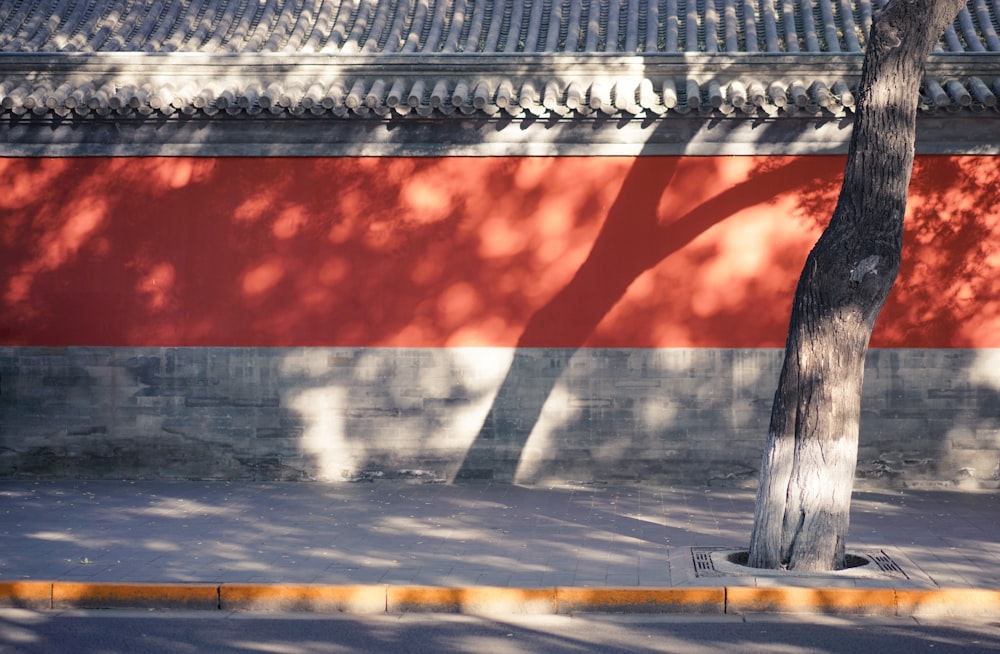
[[601, 252]]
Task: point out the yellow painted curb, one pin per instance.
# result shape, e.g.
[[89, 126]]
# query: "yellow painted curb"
[[925, 603], [305, 597], [838, 601], [641, 600], [948, 602], [472, 600], [121, 595], [26, 594]]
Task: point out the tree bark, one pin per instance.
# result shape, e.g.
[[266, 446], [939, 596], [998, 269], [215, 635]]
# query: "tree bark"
[[807, 472]]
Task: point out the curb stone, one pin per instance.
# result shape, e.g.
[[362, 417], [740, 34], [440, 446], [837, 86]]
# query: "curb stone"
[[885, 602]]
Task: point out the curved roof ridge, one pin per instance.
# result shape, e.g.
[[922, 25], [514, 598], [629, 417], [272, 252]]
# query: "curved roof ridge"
[[464, 26]]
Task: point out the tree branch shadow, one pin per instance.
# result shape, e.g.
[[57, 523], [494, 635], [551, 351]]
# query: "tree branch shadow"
[[637, 235]]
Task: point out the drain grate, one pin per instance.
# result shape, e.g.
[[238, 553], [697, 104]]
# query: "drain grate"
[[885, 563], [704, 566], [731, 561], [702, 557]]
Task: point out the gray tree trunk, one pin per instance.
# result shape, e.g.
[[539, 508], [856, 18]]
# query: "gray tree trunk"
[[807, 473]]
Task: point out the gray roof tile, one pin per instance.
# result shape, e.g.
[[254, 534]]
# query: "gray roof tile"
[[459, 57], [470, 26]]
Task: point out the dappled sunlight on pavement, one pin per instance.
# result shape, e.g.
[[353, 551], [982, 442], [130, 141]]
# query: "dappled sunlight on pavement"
[[493, 535]]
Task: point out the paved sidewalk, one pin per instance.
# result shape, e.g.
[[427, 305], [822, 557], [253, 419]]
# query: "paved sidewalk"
[[388, 534]]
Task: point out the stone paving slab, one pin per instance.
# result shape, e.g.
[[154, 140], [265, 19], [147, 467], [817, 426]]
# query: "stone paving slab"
[[613, 539]]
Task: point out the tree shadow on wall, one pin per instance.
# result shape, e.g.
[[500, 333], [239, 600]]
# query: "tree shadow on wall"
[[638, 234], [946, 235]]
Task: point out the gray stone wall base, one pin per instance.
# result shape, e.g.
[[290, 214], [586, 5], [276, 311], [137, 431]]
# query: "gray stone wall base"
[[693, 416]]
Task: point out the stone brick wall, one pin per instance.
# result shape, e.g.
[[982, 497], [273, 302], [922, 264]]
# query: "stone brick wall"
[[695, 416]]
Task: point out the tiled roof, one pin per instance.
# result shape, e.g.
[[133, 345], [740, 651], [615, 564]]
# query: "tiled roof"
[[462, 26], [436, 58]]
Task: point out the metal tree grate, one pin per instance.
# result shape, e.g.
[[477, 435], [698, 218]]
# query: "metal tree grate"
[[704, 566], [702, 557], [886, 564]]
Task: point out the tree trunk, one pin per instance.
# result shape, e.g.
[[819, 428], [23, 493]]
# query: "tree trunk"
[[807, 473]]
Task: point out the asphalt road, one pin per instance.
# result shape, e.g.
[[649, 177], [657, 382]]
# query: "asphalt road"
[[136, 632]]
